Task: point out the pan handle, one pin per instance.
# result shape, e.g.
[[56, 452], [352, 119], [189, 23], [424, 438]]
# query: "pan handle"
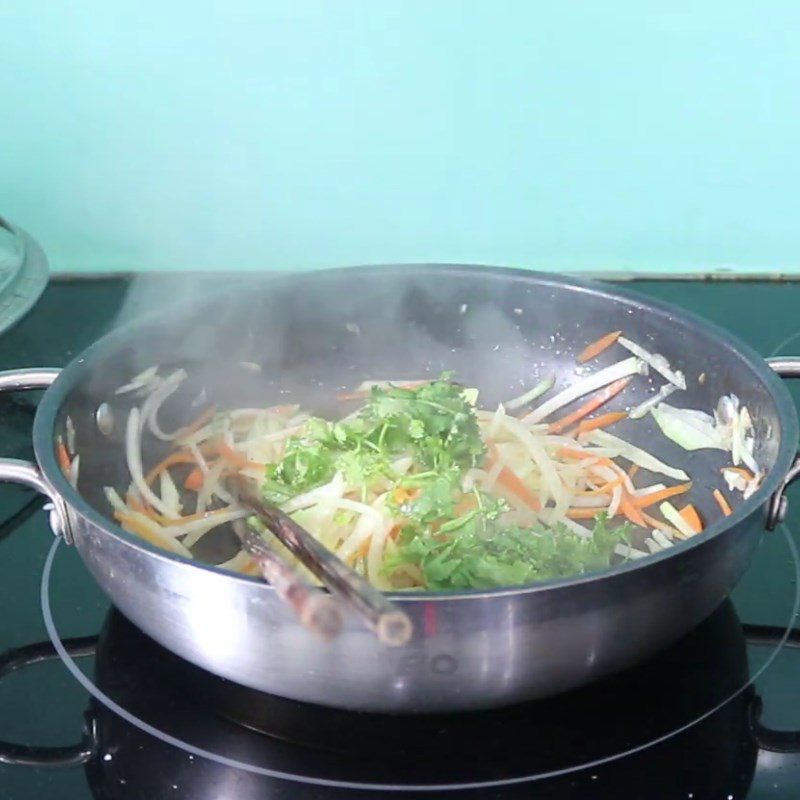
[[26, 473], [773, 741], [786, 367], [33, 756]]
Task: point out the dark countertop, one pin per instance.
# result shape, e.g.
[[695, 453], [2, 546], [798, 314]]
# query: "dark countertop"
[[45, 704]]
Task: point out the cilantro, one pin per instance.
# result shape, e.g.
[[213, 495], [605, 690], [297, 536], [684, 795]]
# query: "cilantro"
[[436, 421], [434, 424], [456, 540], [474, 552], [305, 465]]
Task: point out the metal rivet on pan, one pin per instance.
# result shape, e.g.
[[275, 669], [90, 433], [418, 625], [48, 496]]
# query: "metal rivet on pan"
[[104, 417]]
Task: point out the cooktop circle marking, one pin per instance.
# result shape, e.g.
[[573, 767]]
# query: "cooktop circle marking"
[[98, 694]]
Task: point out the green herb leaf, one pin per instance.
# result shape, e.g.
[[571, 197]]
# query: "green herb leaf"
[[480, 554]]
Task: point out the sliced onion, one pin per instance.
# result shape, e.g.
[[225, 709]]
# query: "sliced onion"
[[133, 454], [635, 455], [656, 361], [333, 490], [616, 500], [70, 430], [544, 385], [550, 478], [751, 486], [143, 379], [169, 491], [652, 545], [661, 537], [114, 500], [196, 529], [592, 501], [646, 490], [151, 406], [497, 421], [74, 471], [160, 536], [375, 553], [576, 528], [672, 515], [662, 394], [626, 551], [365, 527], [493, 474], [734, 479]]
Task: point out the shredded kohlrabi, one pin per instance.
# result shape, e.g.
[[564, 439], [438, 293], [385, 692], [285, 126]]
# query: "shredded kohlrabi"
[[417, 487], [692, 430]]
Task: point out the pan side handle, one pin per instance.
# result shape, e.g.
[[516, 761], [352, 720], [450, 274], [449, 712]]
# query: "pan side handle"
[[768, 739], [39, 756], [26, 473], [786, 367]]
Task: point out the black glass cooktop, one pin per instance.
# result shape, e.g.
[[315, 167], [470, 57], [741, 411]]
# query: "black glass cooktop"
[[91, 708]]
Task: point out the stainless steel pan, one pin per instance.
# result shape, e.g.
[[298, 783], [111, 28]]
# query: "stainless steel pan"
[[314, 333]]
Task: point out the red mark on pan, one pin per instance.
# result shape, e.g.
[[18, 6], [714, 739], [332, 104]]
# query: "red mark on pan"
[[429, 618]]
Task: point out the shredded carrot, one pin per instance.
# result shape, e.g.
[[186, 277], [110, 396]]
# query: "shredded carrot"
[[625, 506], [235, 457], [595, 348], [583, 513], [689, 513], [722, 502], [605, 489], [466, 504], [403, 494], [136, 504], [364, 393], [600, 461], [198, 423], [251, 568], [664, 494], [194, 480], [209, 448], [745, 473], [602, 397], [511, 481], [195, 517], [629, 509], [134, 525], [281, 409], [395, 531], [178, 457], [362, 551], [634, 468], [63, 457], [603, 421], [569, 452]]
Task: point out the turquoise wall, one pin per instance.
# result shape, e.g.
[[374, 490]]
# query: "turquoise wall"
[[606, 136]]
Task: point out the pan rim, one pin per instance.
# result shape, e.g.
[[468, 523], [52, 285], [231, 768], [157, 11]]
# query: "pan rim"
[[50, 405]]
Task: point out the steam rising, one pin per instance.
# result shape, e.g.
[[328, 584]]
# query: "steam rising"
[[261, 338]]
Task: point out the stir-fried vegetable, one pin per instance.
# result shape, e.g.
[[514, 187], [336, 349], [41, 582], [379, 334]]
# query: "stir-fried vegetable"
[[417, 487], [692, 430]]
